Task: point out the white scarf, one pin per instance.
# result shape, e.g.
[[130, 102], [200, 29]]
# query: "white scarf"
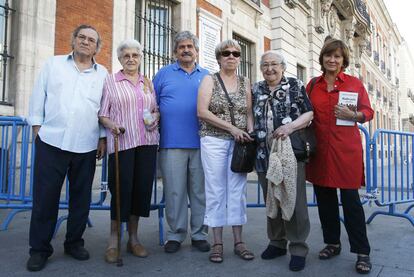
[[282, 176]]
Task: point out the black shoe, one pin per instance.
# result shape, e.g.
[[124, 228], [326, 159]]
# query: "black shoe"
[[201, 245], [36, 262], [272, 252], [172, 246], [297, 263], [77, 252]]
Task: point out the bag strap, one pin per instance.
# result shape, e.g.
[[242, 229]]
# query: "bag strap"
[[313, 82], [231, 105]]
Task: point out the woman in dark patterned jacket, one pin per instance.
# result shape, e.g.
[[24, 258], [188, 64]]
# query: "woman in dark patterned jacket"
[[280, 107]]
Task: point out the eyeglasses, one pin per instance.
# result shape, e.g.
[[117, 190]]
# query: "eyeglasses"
[[88, 39], [270, 65], [127, 57], [226, 53]]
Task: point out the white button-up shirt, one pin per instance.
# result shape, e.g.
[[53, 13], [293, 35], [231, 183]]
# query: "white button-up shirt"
[[65, 103]]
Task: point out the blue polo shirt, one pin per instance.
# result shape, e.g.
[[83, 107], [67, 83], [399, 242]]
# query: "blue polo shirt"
[[176, 92]]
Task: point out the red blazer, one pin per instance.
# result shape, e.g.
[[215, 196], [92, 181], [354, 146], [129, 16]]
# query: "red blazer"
[[338, 162]]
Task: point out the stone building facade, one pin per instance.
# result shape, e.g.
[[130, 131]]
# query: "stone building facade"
[[380, 68], [296, 28], [407, 89]]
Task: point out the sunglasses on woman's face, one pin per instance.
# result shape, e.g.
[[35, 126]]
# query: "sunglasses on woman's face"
[[226, 53]]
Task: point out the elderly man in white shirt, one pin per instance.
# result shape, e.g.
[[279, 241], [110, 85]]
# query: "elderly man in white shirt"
[[64, 116]]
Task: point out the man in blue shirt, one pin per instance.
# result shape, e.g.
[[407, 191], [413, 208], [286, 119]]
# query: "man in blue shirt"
[[64, 116], [176, 87]]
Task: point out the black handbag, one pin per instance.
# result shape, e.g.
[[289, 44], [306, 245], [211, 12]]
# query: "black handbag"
[[244, 157], [303, 143], [244, 153], [304, 140]]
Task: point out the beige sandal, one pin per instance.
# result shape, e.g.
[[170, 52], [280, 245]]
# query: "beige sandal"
[[111, 255], [216, 254], [243, 252], [137, 250]]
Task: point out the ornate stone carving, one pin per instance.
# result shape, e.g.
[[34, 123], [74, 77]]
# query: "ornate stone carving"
[[332, 20], [291, 3], [361, 48], [325, 7], [349, 31], [257, 19], [319, 29], [233, 5], [318, 17]]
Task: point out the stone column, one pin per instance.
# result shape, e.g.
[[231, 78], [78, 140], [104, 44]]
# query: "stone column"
[[123, 27], [32, 42]]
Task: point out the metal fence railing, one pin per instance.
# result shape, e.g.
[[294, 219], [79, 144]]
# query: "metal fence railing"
[[16, 175], [389, 173], [393, 177]]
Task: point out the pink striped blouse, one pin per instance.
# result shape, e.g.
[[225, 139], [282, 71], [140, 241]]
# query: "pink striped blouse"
[[124, 103]]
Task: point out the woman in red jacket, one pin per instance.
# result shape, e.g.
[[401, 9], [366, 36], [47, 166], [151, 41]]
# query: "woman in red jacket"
[[338, 162]]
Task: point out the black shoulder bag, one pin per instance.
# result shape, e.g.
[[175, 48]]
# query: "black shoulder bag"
[[304, 140], [244, 153]]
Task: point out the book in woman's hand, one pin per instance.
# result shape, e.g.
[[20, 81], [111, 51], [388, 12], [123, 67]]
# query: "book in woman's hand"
[[349, 99]]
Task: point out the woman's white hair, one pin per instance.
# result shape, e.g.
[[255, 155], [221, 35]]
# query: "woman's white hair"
[[126, 44], [279, 57]]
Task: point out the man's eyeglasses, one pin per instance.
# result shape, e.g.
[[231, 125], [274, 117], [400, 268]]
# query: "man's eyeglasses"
[[88, 39], [269, 65], [226, 53]]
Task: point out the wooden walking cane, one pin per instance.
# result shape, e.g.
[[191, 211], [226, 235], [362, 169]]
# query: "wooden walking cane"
[[118, 199]]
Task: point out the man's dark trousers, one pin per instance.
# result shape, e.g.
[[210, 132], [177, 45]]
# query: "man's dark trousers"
[[50, 168]]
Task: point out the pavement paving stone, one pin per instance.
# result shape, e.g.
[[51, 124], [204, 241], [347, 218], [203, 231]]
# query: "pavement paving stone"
[[392, 243]]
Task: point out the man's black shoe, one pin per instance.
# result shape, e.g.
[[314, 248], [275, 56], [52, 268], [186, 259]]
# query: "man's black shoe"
[[36, 262], [172, 246], [77, 252], [201, 245], [272, 252]]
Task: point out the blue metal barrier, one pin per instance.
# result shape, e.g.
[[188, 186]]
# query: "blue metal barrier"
[[15, 193], [258, 203], [17, 156], [393, 172], [389, 172]]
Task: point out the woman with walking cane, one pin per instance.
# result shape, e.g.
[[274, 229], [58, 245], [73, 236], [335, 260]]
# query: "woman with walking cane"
[[129, 103]]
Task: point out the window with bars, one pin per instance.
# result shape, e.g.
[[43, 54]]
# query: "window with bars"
[[246, 63], [300, 73], [5, 56], [155, 31]]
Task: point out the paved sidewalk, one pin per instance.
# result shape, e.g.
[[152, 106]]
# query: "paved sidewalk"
[[392, 242]]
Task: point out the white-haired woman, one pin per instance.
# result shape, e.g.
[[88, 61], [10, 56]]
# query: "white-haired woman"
[[127, 96], [280, 107], [225, 190]]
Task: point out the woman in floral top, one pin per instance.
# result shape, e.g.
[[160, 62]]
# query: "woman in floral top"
[[280, 107], [225, 190]]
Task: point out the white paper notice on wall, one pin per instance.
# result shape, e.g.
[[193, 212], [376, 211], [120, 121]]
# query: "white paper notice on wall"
[[210, 30], [349, 99]]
